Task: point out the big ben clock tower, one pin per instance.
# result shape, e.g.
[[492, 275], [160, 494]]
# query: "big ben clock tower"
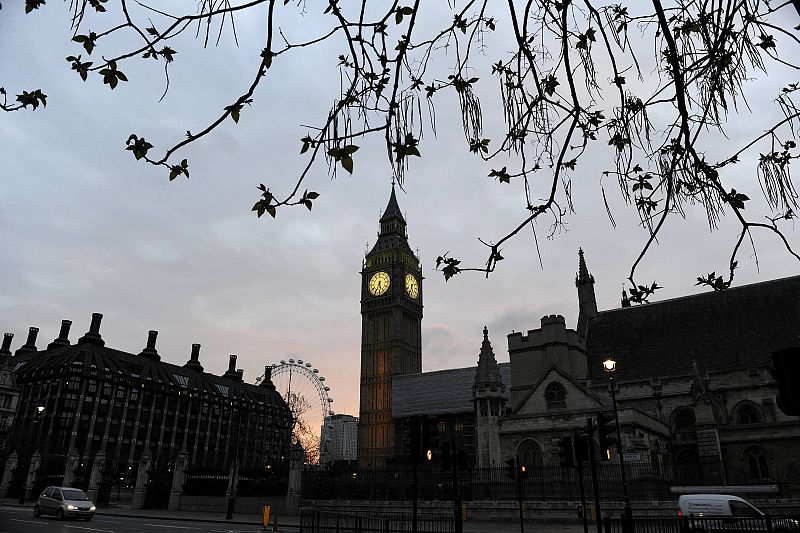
[[391, 332]]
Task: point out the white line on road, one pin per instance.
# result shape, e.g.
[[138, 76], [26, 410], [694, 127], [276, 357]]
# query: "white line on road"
[[90, 529], [173, 527], [29, 521]]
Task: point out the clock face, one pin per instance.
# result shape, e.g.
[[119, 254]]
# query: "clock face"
[[379, 283], [412, 286]]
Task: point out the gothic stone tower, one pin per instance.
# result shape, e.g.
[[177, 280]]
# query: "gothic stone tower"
[[487, 394], [587, 304], [391, 332]]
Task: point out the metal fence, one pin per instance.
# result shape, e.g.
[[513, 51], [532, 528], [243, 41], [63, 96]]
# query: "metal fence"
[[704, 524], [329, 522], [646, 482]]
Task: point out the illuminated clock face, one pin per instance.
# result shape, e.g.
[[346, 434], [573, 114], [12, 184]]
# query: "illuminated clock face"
[[379, 283], [412, 286]]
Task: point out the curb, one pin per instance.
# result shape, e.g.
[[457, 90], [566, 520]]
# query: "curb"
[[181, 518]]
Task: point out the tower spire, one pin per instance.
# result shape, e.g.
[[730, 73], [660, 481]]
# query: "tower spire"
[[587, 303]]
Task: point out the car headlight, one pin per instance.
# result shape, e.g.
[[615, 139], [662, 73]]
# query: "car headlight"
[[92, 508], [71, 507]]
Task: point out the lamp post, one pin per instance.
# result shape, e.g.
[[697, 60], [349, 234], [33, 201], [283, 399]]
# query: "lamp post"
[[609, 365], [37, 413]]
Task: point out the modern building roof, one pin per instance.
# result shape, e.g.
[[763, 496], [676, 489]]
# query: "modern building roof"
[[738, 328], [440, 392]]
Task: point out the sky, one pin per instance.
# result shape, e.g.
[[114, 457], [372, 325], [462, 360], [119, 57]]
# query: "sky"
[[85, 228]]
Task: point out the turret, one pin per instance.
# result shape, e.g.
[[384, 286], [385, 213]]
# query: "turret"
[[488, 395]]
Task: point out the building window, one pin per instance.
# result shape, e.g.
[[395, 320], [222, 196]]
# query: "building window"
[[755, 459], [683, 419], [555, 395], [748, 413]]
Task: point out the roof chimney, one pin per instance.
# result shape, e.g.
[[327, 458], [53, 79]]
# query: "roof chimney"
[[30, 344], [231, 372], [5, 351], [93, 335], [240, 374], [150, 350], [267, 381], [63, 335], [194, 362]]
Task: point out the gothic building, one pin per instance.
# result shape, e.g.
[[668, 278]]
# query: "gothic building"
[[391, 332], [85, 402], [692, 384]]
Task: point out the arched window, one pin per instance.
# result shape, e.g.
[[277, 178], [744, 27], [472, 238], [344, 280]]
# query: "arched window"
[[748, 413], [530, 454], [555, 396], [683, 419], [757, 463]]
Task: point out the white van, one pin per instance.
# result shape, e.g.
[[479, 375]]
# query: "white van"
[[712, 512], [716, 505]]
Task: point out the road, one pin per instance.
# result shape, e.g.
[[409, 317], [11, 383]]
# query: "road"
[[21, 520]]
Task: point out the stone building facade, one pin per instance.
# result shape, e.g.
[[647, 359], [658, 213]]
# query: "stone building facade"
[[88, 414], [692, 382], [9, 393]]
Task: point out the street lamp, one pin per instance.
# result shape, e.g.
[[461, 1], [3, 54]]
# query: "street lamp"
[[36, 416], [609, 365]]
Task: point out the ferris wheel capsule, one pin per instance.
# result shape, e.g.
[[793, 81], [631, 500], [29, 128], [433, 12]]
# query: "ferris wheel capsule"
[[291, 360], [283, 362], [308, 365], [299, 361]]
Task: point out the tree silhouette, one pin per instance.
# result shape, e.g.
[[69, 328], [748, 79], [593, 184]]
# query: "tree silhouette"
[[652, 85], [302, 431]]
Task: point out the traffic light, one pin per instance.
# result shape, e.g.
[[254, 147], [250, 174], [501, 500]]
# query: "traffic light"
[[429, 438], [511, 469], [565, 452], [582, 448], [606, 434], [785, 371], [523, 472]]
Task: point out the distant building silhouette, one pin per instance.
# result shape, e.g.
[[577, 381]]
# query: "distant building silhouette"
[[339, 439]]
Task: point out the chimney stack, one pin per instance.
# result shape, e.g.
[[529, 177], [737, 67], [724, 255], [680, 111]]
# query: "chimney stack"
[[30, 344], [267, 381], [93, 335], [150, 350], [63, 335], [194, 362], [5, 351], [231, 372]]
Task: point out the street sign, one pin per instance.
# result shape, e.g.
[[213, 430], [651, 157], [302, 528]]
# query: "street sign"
[[632, 456]]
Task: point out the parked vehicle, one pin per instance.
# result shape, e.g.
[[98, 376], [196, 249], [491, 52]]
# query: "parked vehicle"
[[64, 502], [708, 513]]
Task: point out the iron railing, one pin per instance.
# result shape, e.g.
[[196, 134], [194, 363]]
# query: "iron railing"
[[703, 524], [646, 482], [330, 522]]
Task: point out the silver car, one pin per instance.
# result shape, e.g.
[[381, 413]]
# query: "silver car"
[[64, 502]]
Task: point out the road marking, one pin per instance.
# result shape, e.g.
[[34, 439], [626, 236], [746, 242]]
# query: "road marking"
[[90, 529], [28, 521], [173, 527]]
